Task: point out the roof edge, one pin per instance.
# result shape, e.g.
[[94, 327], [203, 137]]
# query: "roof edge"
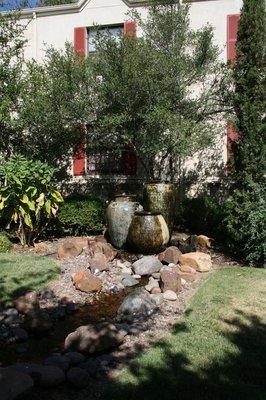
[[68, 8]]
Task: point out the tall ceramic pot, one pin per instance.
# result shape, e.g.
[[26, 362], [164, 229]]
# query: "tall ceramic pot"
[[148, 232], [119, 216], [160, 196]]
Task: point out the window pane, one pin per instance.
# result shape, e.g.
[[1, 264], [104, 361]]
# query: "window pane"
[[115, 32]]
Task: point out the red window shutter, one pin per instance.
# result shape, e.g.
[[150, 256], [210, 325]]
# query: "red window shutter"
[[129, 161], [79, 161], [232, 138], [232, 28], [80, 36], [130, 29]]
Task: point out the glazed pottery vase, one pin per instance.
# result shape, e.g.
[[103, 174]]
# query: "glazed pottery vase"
[[148, 232], [159, 196], [119, 216]]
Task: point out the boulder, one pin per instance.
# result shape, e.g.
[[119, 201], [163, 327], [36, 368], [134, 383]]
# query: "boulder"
[[147, 265], [129, 281], [78, 377], [42, 375], [203, 243], [107, 249], [188, 276], [152, 284], [48, 375], [75, 358], [19, 334], [99, 261], [199, 261], [72, 247], [137, 305], [155, 290], [170, 295], [91, 339], [170, 280], [57, 360], [37, 321], [13, 383], [27, 303], [87, 282], [157, 298], [170, 255]]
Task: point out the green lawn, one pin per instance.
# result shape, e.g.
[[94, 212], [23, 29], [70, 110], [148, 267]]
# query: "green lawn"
[[217, 350], [20, 274]]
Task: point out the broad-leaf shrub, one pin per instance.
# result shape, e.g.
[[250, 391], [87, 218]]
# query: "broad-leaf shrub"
[[82, 215], [28, 197]]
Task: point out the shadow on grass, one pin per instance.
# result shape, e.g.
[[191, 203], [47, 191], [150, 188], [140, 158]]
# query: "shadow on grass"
[[234, 376]]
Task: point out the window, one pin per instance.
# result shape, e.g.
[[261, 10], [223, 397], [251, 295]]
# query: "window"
[[104, 163], [114, 31]]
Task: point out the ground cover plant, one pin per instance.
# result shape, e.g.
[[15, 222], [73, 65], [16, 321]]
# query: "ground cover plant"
[[216, 349], [20, 274]]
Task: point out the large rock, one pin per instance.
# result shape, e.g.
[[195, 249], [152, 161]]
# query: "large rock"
[[107, 249], [170, 295], [147, 265], [13, 383], [188, 276], [38, 321], [78, 377], [170, 255], [203, 243], [137, 305], [152, 284], [27, 303], [72, 247], [75, 358], [99, 261], [170, 280], [57, 360], [129, 281], [199, 261], [87, 282], [42, 375], [90, 339]]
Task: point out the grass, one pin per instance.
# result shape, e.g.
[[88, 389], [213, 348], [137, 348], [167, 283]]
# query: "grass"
[[20, 274], [217, 350]]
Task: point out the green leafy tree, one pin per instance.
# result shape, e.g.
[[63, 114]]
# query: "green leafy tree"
[[162, 93], [246, 208], [12, 44], [44, 3], [28, 197], [56, 103]]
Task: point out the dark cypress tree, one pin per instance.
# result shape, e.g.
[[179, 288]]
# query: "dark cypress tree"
[[250, 94], [246, 208]]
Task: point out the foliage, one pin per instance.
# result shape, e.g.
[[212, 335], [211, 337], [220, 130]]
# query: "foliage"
[[245, 220], [249, 99], [146, 95], [201, 215], [42, 106], [28, 198], [12, 44], [20, 274], [56, 102], [5, 244], [82, 215], [246, 208]]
